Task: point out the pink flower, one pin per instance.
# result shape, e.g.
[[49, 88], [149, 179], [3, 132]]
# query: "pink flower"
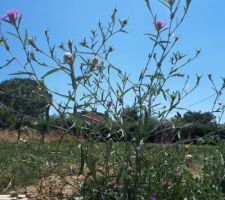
[[159, 24], [10, 16]]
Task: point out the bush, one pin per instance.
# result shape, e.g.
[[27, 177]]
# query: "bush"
[[8, 119]]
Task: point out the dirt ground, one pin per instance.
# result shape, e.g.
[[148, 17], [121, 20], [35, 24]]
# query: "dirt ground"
[[30, 134], [54, 187]]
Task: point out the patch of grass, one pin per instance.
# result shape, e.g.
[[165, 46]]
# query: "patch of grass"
[[118, 163], [25, 163]]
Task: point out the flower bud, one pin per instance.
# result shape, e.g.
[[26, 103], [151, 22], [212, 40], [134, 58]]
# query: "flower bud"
[[166, 185], [31, 56], [70, 44], [124, 22], [61, 46], [210, 76], [83, 43], [177, 38], [189, 158], [94, 61], [109, 104], [31, 41], [110, 140], [198, 51], [110, 185], [68, 57], [129, 170], [110, 49]]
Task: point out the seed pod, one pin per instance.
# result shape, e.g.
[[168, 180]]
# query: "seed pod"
[[110, 185], [129, 170], [94, 61], [166, 185], [189, 158], [68, 57], [109, 104]]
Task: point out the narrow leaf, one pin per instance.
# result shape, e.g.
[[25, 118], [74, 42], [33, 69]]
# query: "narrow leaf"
[[51, 72], [21, 73], [25, 39]]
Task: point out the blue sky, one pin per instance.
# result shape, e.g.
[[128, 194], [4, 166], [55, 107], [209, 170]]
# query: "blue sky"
[[203, 28]]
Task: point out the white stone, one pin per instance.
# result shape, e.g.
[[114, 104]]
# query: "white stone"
[[7, 197]]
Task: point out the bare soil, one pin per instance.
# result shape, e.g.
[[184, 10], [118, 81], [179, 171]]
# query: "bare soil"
[[54, 187], [30, 134]]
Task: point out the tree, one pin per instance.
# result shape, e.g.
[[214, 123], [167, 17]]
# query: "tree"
[[139, 125], [130, 114], [196, 124], [25, 97], [199, 118]]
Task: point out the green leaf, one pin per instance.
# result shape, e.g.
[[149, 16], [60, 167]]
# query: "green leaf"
[[127, 91], [52, 51], [171, 2], [165, 3], [120, 89], [148, 4], [188, 3], [91, 165], [62, 95], [83, 158], [150, 34], [7, 63], [19, 20], [164, 42], [14, 35], [4, 43], [25, 39], [178, 135], [79, 78], [22, 73], [164, 94], [51, 72], [84, 60], [153, 39]]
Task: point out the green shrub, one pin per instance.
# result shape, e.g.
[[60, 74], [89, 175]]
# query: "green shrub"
[[8, 119]]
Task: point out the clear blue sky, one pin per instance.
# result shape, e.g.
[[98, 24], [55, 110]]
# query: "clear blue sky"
[[203, 28]]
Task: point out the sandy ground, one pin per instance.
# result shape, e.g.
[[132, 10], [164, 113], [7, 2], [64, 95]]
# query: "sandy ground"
[[12, 136], [54, 187]]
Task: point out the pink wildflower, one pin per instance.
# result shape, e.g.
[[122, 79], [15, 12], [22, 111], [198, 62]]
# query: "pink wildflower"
[[10, 16], [159, 24]]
